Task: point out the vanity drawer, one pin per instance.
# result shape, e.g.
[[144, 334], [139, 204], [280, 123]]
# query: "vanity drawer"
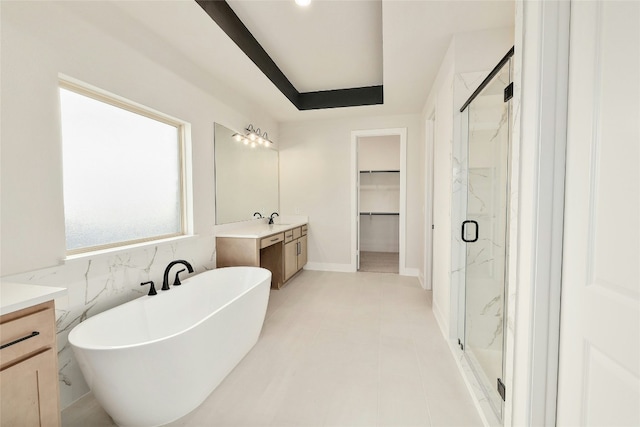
[[27, 334], [304, 230], [268, 241], [297, 232], [288, 236]]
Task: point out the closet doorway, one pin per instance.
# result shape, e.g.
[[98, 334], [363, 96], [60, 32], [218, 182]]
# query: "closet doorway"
[[380, 199]]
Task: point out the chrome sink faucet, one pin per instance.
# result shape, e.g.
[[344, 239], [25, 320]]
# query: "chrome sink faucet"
[[271, 217], [165, 280]]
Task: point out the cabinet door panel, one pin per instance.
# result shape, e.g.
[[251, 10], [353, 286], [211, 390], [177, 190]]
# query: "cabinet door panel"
[[302, 256], [29, 392], [41, 322], [290, 259]]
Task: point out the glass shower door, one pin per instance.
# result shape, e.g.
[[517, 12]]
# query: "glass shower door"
[[485, 234]]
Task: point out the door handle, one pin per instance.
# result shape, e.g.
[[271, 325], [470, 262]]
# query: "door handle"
[[464, 238], [19, 340]]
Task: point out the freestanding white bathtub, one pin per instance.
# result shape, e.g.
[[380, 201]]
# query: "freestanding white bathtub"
[[154, 359]]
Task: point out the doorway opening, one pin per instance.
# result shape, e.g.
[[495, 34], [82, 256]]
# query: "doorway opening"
[[379, 202], [379, 164]]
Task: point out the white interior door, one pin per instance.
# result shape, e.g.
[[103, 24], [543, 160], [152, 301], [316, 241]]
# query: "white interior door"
[[599, 367]]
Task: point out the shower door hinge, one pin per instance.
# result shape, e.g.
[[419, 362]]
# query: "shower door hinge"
[[501, 389], [508, 92]]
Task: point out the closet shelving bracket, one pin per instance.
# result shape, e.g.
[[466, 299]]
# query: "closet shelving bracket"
[[380, 213]]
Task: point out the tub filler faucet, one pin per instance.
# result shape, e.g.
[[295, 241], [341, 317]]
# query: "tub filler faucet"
[[165, 280]]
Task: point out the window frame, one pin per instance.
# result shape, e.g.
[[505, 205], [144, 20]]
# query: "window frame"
[[100, 95]]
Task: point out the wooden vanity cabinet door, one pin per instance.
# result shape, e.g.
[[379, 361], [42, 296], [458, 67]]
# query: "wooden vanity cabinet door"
[[290, 259], [29, 392], [302, 256]]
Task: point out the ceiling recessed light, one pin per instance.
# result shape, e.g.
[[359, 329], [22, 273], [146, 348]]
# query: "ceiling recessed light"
[[303, 2]]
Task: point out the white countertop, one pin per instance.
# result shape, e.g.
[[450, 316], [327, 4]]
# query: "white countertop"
[[258, 230], [16, 296]]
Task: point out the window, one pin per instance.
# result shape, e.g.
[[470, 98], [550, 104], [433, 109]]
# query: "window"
[[122, 171]]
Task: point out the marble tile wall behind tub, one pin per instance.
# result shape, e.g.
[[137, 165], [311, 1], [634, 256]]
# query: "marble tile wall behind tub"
[[105, 281]]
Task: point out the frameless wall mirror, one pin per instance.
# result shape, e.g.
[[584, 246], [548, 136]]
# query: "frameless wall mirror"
[[246, 178]]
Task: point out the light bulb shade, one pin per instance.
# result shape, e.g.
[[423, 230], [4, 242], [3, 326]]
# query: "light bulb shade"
[[252, 136]]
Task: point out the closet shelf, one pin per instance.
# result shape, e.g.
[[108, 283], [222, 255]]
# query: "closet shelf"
[[380, 213], [379, 187]]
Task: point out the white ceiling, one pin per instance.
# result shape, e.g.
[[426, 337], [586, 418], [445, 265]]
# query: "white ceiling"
[[332, 44], [326, 45]]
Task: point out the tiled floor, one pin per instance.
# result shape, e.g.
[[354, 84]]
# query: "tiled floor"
[[379, 262], [337, 349]]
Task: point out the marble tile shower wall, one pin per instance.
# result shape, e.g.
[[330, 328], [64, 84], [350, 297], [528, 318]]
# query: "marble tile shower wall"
[[487, 201], [105, 281], [464, 85], [476, 198]]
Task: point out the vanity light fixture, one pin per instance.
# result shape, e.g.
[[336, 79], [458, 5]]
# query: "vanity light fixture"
[[253, 136]]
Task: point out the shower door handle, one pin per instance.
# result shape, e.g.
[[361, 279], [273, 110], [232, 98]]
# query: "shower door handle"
[[464, 229]]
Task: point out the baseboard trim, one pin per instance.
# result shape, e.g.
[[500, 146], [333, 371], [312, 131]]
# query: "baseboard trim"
[[322, 266], [421, 280], [413, 272], [444, 326], [349, 268]]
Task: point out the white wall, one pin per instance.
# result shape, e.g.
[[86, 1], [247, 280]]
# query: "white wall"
[[315, 165], [40, 40], [442, 167], [379, 152], [379, 233], [95, 43]]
